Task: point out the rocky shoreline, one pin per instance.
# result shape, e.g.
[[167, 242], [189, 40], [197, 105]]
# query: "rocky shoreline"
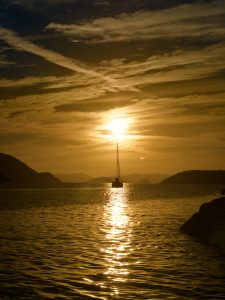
[[208, 224]]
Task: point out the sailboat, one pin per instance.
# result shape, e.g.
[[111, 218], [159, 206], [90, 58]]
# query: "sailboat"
[[117, 183]]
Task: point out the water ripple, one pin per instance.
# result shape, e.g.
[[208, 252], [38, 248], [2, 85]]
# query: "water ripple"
[[105, 244]]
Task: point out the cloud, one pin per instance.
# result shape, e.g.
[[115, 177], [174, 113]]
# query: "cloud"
[[164, 126], [170, 116], [38, 3], [15, 138], [177, 66], [3, 61], [56, 117], [17, 113], [27, 81], [21, 44], [92, 106], [128, 76], [189, 20]]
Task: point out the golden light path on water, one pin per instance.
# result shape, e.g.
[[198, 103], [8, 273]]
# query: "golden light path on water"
[[118, 232]]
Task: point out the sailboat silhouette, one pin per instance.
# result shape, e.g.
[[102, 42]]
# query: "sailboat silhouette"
[[117, 183]]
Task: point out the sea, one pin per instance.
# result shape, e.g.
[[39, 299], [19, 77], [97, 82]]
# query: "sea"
[[98, 242]]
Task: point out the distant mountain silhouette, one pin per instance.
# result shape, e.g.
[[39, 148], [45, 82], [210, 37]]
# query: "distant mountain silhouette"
[[135, 178], [15, 172], [99, 180], [74, 177], [197, 177], [139, 178]]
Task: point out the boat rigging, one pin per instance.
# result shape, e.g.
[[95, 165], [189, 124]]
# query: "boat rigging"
[[117, 183]]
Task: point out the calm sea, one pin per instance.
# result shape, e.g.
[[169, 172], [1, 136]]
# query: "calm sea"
[[104, 243]]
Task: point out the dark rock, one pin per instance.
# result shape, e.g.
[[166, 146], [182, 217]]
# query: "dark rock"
[[208, 224]]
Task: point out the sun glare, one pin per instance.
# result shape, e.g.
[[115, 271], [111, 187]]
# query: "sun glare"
[[118, 129]]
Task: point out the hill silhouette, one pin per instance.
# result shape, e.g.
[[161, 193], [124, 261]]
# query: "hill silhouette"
[[74, 177], [99, 180], [134, 178], [15, 172], [145, 178], [197, 177]]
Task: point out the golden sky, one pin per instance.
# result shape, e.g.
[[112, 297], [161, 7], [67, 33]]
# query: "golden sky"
[[68, 68]]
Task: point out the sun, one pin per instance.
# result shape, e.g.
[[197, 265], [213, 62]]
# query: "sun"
[[118, 126], [118, 129]]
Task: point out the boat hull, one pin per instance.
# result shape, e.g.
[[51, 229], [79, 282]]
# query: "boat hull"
[[117, 184]]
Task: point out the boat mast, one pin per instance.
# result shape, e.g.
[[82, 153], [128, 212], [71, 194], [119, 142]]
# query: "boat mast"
[[117, 160]]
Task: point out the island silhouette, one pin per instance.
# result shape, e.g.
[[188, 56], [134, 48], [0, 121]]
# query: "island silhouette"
[[197, 177], [14, 172]]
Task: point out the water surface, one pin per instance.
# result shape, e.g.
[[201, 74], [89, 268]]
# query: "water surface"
[[104, 243]]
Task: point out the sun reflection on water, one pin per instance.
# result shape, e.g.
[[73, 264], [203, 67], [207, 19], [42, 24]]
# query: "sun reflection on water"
[[118, 236]]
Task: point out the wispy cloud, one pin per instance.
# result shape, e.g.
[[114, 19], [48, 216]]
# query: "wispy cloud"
[[165, 127], [176, 66], [189, 20], [57, 122], [27, 81], [19, 43], [133, 75], [3, 60]]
